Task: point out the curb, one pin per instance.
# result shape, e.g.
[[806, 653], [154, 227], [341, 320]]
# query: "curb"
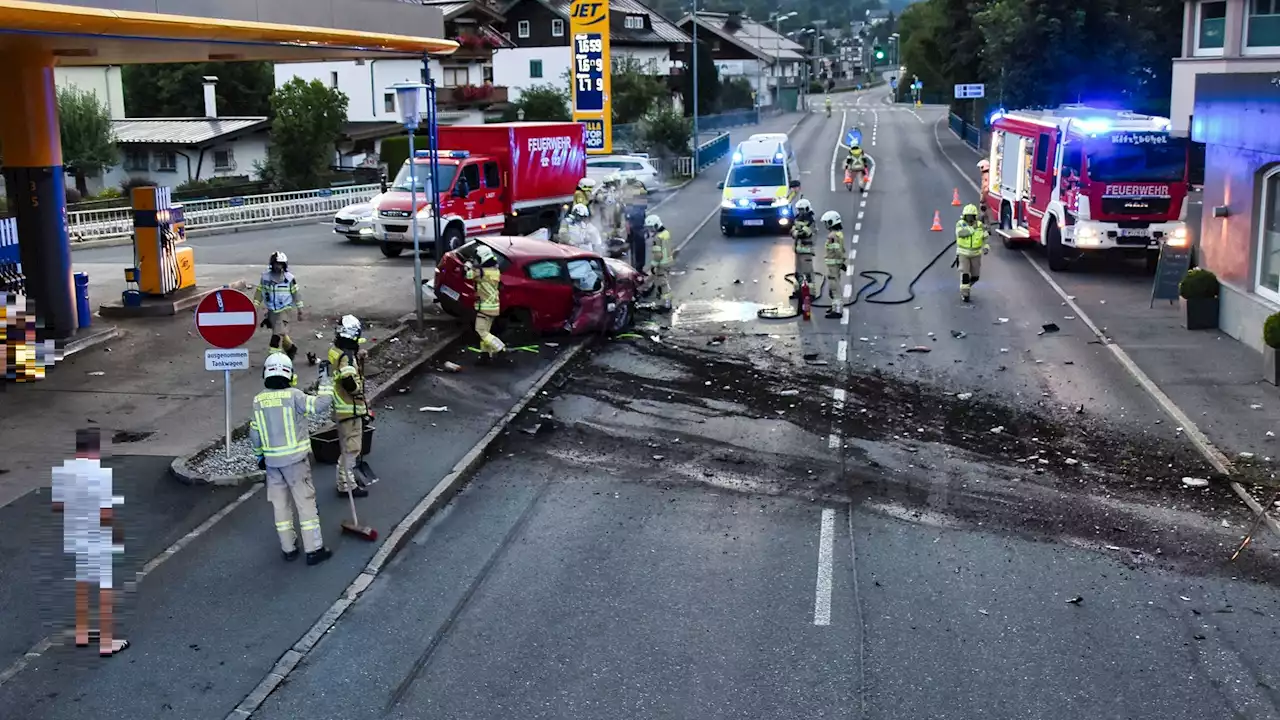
[[165, 309], [442, 493], [199, 232], [184, 473]]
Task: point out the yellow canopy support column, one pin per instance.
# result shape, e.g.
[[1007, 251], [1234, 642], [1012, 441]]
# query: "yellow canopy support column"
[[36, 185]]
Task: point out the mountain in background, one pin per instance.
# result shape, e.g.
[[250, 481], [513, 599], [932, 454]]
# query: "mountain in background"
[[836, 15]]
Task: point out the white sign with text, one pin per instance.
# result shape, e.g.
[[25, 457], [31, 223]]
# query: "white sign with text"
[[218, 360]]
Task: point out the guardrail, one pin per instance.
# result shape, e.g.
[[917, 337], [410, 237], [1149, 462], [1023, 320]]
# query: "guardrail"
[[711, 151], [214, 213], [970, 134]]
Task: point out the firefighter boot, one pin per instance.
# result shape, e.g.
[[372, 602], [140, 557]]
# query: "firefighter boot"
[[319, 556]]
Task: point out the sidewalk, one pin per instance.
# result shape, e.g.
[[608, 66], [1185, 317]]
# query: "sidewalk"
[[1214, 379]]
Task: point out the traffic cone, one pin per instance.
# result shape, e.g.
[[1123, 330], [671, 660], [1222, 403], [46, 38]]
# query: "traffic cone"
[[955, 198], [937, 222]]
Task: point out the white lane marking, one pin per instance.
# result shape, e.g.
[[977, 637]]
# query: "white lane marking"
[[822, 593], [864, 204], [842, 351], [844, 316], [848, 293], [848, 270], [1202, 443], [835, 151], [857, 227], [853, 254], [861, 214], [839, 395], [833, 441], [854, 239]]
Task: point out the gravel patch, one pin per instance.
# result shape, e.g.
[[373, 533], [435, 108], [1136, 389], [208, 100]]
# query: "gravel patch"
[[385, 359]]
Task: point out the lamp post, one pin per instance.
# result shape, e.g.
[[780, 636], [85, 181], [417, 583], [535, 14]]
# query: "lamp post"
[[409, 101], [777, 42], [693, 52]]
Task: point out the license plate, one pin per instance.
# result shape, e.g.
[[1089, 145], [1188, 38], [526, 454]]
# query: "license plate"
[[449, 292], [753, 223], [393, 237], [1131, 232]]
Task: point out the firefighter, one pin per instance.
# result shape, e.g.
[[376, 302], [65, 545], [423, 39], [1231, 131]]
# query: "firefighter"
[[575, 230], [278, 292], [350, 408], [971, 245], [802, 235], [828, 104], [984, 166], [282, 451], [835, 258], [661, 258], [855, 167], [487, 279], [582, 196], [636, 207]]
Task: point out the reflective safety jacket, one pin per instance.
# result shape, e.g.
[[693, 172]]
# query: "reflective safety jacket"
[[802, 233], [663, 256], [279, 431], [580, 197], [488, 283], [348, 384], [835, 248], [970, 239], [278, 292], [854, 162]]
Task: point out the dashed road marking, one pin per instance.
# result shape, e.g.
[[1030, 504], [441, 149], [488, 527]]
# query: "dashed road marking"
[[842, 350], [861, 214], [848, 293], [857, 227], [839, 395], [844, 316], [826, 547], [833, 441], [854, 239]]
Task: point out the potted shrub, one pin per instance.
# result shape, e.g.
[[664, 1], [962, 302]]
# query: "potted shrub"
[[1199, 298], [1270, 342]]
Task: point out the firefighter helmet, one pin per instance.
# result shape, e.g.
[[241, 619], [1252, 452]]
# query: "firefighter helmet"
[[831, 218], [350, 327], [278, 365]]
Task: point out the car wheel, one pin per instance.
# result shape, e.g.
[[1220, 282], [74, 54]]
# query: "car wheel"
[[453, 238], [389, 250], [622, 317]]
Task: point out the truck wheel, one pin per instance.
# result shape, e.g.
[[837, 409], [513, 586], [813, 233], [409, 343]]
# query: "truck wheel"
[[454, 237], [389, 250], [1059, 259]]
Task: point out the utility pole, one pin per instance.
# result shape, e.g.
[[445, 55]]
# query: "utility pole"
[[694, 52]]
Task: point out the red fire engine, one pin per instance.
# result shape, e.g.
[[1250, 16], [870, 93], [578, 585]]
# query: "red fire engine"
[[1079, 179]]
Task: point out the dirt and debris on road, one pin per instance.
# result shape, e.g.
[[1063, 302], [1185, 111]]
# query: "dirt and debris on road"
[[909, 448]]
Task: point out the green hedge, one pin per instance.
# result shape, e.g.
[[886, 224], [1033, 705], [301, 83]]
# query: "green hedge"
[[395, 150]]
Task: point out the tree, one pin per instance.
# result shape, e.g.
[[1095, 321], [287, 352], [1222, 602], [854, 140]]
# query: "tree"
[[634, 91], [307, 119], [544, 103], [88, 141], [709, 85], [737, 94], [244, 89]]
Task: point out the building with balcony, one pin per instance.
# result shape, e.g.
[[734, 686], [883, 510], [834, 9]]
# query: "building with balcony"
[[540, 31], [772, 63], [1226, 95]]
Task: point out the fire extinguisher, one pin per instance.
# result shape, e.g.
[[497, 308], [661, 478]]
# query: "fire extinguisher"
[[806, 300]]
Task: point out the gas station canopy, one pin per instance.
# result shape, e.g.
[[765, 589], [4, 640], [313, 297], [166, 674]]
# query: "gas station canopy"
[[76, 35]]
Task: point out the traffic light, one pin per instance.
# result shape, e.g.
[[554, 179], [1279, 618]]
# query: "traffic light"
[[879, 53]]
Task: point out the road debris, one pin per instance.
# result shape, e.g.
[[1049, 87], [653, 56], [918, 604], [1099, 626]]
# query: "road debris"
[[1194, 482], [1075, 600], [1001, 321], [434, 408], [97, 373], [1049, 328], [997, 430], [957, 334], [1246, 456], [1255, 406], [963, 396], [920, 349], [452, 367], [789, 393], [659, 458], [1072, 461]]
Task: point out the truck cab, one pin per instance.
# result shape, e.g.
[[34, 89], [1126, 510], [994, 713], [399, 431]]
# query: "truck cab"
[[760, 188], [471, 201], [1085, 180]]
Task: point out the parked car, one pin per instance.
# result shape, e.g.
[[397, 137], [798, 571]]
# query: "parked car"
[[355, 223], [542, 283], [629, 167]]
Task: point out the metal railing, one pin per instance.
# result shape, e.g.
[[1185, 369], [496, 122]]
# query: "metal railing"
[[971, 134], [710, 152], [214, 213]]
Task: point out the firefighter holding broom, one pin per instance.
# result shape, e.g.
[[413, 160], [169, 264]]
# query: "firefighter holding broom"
[[350, 410]]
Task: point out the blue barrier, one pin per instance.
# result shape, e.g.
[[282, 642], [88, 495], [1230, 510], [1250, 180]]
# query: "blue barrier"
[[708, 153], [972, 135]]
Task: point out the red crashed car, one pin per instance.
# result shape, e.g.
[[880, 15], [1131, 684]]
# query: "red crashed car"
[[542, 283]]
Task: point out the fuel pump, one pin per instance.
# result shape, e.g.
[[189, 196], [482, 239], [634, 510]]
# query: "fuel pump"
[[160, 266]]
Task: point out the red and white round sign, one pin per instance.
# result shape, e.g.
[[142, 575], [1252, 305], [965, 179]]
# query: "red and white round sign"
[[226, 318]]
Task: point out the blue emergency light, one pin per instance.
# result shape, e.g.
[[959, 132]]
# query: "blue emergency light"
[[737, 158], [1094, 125], [779, 158], [995, 116], [458, 154]]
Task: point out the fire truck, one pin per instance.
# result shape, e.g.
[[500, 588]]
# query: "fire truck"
[[1078, 179]]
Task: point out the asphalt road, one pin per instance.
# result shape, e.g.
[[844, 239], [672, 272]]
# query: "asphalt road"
[[747, 518]]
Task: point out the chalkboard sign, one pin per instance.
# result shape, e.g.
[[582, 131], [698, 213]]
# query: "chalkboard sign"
[[1173, 265]]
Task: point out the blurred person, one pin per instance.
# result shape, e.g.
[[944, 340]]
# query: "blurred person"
[[278, 292]]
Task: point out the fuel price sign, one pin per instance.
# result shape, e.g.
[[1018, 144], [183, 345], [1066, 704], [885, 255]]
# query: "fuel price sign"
[[588, 72], [590, 66]]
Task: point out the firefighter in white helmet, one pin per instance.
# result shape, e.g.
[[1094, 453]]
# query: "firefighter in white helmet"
[[835, 258], [279, 439], [802, 236], [971, 245], [278, 292], [586, 188], [350, 408], [661, 258], [487, 280]]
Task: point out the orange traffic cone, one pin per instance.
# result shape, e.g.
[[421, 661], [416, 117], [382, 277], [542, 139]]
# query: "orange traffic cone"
[[937, 222], [955, 198]]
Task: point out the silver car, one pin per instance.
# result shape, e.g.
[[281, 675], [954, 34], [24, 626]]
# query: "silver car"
[[629, 167], [355, 223]]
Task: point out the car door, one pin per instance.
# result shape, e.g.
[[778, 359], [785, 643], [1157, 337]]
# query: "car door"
[[587, 279], [1042, 179], [546, 292], [491, 202], [470, 191]]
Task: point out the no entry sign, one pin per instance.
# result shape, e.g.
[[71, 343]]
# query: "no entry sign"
[[226, 318]]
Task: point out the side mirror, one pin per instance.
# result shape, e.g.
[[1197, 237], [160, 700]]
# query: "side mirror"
[[720, 185], [795, 184]]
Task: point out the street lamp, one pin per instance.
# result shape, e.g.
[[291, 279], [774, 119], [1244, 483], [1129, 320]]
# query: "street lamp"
[[777, 30], [693, 53], [410, 99]]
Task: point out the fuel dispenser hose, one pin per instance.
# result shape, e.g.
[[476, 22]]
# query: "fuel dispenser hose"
[[873, 277]]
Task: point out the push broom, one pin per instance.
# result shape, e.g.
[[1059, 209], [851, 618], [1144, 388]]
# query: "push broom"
[[353, 526]]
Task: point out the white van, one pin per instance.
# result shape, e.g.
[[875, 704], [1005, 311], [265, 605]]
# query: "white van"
[[761, 186]]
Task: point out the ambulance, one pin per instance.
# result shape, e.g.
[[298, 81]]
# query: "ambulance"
[[761, 187]]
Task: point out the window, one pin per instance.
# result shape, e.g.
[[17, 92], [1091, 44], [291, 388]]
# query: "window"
[[137, 160], [1262, 29], [389, 102], [1269, 240], [587, 275], [535, 69], [224, 160], [333, 79], [167, 161], [422, 174], [468, 254], [1211, 26], [455, 76], [543, 270], [1042, 153], [487, 73], [522, 28], [492, 177], [633, 22], [557, 27], [1116, 163], [757, 176], [471, 176]]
